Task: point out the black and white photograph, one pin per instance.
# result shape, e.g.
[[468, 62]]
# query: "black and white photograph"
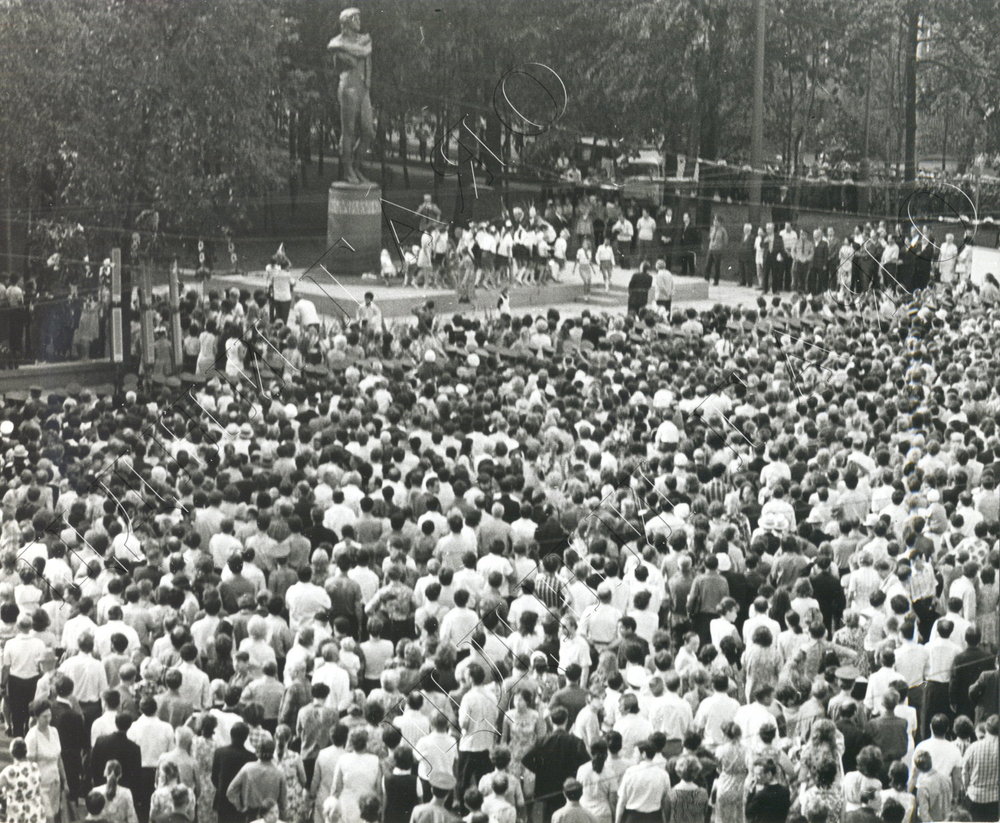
[[499, 411]]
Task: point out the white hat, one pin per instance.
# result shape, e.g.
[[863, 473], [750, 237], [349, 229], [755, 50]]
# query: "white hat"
[[430, 356]]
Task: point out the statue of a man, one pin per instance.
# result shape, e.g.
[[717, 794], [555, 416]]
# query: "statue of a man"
[[353, 52]]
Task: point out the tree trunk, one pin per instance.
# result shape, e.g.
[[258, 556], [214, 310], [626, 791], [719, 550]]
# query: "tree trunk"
[[709, 101], [292, 141], [439, 128], [910, 114], [383, 147], [321, 145], [404, 157], [305, 150]]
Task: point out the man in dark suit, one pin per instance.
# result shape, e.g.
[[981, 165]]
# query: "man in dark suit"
[[117, 746], [829, 591], [747, 256], [855, 737], [985, 694], [817, 279], [68, 721], [553, 759], [774, 256], [908, 261], [402, 792], [690, 243], [226, 763], [888, 732], [965, 671]]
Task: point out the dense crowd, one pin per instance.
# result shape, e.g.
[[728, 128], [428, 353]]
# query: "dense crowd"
[[737, 565]]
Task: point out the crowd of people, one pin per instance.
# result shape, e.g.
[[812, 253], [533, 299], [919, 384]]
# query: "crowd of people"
[[737, 565]]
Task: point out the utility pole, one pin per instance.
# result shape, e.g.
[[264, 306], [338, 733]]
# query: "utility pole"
[[757, 126]]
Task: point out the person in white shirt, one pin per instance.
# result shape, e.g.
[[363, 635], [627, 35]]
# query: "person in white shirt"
[[304, 314], [646, 230], [559, 250], [941, 653], [880, 682], [724, 626], [645, 787], [605, 257], [623, 232], [715, 711], [945, 755], [105, 723], [305, 599], [155, 738], [585, 267], [458, 624], [663, 287], [115, 625], [958, 623], [964, 588], [631, 725], [759, 617], [335, 676]]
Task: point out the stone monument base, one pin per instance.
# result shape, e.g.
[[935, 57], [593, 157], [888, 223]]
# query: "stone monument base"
[[354, 221]]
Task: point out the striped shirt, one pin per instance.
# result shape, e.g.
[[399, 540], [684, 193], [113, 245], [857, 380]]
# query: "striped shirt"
[[549, 589], [922, 583]]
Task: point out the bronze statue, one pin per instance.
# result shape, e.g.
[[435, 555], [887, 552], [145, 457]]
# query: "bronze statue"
[[353, 52]]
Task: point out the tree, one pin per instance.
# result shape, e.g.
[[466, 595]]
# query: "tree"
[[162, 107]]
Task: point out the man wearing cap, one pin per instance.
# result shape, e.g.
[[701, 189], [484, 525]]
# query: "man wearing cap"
[[846, 678], [442, 785]]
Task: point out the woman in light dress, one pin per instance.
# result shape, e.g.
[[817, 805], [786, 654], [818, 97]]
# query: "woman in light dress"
[[203, 751], [21, 786], [761, 661], [208, 340], [296, 799], [523, 726], [585, 267], [45, 750], [119, 806], [161, 805], [728, 792], [357, 773], [600, 784], [986, 607]]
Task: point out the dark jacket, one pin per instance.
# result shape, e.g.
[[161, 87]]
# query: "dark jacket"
[[768, 804], [401, 798], [889, 734], [985, 694], [117, 746], [821, 256], [830, 594], [553, 759], [73, 740], [965, 672], [226, 763]]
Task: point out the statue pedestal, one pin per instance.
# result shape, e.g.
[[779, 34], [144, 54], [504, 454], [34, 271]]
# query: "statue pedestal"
[[355, 214]]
